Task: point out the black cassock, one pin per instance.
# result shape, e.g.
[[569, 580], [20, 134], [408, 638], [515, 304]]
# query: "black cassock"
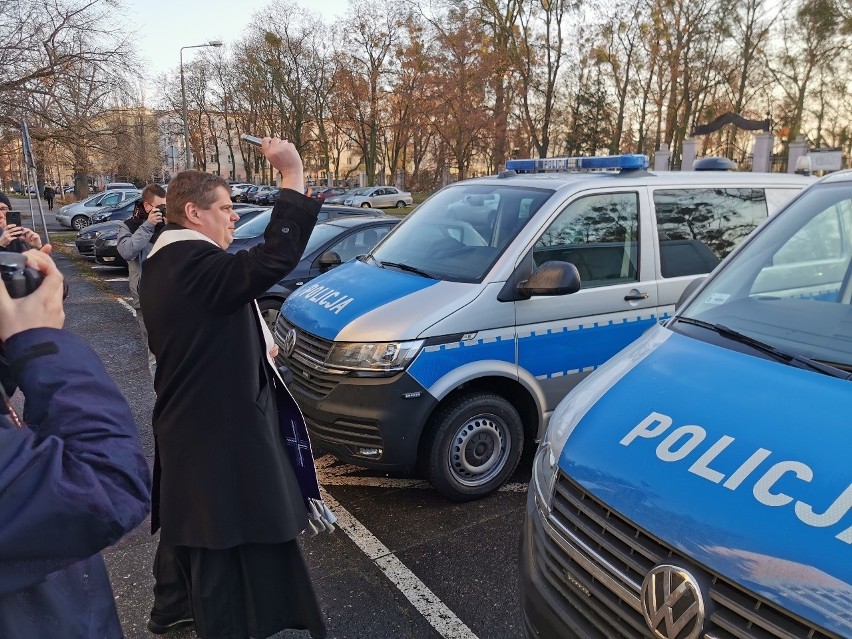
[[222, 478]]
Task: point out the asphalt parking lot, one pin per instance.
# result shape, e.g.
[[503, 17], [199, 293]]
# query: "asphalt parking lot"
[[404, 562]]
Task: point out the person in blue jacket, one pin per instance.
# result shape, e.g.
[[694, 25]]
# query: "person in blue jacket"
[[73, 479]]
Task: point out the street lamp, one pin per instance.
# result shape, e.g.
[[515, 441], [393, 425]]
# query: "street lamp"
[[211, 43]]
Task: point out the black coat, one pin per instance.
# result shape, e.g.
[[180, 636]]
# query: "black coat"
[[221, 475]]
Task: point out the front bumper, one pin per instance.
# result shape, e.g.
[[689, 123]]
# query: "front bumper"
[[545, 616], [372, 422], [85, 247], [109, 256]]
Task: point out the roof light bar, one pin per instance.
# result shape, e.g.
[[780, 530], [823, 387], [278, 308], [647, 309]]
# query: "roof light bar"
[[627, 162]]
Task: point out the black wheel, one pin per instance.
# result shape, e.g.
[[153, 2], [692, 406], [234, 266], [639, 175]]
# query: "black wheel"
[[365, 205], [400, 205], [270, 308], [79, 222], [473, 446]]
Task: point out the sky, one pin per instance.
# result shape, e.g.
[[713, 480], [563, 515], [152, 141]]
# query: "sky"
[[162, 27]]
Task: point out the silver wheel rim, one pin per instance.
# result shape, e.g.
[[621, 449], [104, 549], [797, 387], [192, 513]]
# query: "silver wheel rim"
[[79, 223], [479, 450]]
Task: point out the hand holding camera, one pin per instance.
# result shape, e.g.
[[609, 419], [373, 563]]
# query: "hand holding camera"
[[157, 214], [32, 293]]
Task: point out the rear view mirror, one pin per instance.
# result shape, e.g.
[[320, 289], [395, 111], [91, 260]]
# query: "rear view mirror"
[[551, 278], [329, 259]]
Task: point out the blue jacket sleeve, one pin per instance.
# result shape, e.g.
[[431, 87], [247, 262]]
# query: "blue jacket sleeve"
[[75, 480]]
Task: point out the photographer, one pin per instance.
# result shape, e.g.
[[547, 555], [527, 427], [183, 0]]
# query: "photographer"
[[72, 478], [15, 238], [136, 237]]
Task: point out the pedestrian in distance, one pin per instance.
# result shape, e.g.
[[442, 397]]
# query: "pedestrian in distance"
[[49, 194], [73, 479], [136, 237], [14, 237], [229, 498]]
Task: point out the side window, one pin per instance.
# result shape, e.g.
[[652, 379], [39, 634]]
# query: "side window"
[[697, 228], [359, 243], [599, 235], [112, 198]]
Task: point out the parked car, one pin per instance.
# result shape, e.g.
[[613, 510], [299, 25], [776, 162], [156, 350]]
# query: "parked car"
[[119, 212], [267, 197], [117, 186], [78, 215], [449, 347], [331, 243], [323, 194], [339, 199], [380, 197], [85, 240], [247, 193], [238, 189], [261, 193], [697, 484], [106, 249], [248, 212]]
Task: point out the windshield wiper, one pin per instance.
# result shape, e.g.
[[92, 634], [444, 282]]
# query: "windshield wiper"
[[410, 269], [797, 361]]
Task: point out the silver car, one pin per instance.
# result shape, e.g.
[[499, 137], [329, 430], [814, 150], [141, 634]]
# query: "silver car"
[[380, 197], [78, 215]]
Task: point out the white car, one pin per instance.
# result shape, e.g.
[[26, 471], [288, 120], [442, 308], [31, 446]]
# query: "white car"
[[380, 197], [78, 215]]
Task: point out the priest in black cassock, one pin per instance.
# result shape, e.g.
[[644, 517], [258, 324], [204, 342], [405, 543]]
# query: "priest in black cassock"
[[226, 499]]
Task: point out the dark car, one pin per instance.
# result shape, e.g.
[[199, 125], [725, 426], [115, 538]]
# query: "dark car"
[[267, 197], [245, 196], [85, 240], [106, 249], [331, 243], [119, 212]]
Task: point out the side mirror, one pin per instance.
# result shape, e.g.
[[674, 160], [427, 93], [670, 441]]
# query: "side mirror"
[[329, 259], [551, 278], [689, 290]]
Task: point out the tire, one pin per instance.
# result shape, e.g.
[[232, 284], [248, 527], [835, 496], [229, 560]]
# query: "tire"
[[270, 309], [365, 205], [400, 205], [79, 222], [473, 446]]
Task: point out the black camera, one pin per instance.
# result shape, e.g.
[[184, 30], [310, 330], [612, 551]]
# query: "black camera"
[[19, 280]]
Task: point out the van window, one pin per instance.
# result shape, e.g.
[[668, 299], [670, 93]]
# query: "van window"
[[598, 234], [699, 227], [791, 285], [460, 232]]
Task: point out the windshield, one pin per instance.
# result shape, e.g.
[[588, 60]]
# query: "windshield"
[[458, 233], [254, 227], [791, 286]]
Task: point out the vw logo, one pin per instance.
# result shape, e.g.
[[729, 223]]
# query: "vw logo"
[[672, 603], [289, 342]]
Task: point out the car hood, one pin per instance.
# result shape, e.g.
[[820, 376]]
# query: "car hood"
[[101, 226], [782, 529], [359, 302]]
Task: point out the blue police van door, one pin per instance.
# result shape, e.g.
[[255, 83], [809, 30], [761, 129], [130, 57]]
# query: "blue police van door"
[[561, 339]]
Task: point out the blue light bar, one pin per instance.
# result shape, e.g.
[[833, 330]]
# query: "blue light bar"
[[627, 162]]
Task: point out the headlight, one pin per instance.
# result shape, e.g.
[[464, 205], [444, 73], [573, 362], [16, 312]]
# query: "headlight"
[[373, 358]]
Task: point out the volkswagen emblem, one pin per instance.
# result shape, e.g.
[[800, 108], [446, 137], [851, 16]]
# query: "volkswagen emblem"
[[672, 603], [289, 342]]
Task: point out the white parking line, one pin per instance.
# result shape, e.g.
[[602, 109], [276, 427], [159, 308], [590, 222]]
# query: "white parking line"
[[117, 279], [126, 305], [424, 600]]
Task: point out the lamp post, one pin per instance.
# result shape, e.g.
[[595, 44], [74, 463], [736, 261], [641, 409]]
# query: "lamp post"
[[211, 43]]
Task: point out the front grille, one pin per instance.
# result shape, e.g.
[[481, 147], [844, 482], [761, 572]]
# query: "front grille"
[[309, 352], [595, 561], [355, 434]]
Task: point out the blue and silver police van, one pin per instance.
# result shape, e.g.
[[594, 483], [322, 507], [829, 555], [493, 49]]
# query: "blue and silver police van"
[[448, 345], [699, 483]]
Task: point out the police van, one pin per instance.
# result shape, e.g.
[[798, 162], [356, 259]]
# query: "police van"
[[449, 345], [699, 483]]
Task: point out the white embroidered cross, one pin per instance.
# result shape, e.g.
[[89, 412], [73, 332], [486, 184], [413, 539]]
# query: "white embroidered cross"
[[298, 443]]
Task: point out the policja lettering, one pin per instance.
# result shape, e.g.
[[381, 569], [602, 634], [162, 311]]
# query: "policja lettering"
[[683, 440], [326, 297]]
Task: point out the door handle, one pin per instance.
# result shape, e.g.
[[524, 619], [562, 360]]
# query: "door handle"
[[635, 297]]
